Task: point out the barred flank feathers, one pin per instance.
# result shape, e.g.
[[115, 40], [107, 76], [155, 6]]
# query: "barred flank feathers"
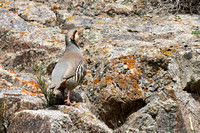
[[80, 72]]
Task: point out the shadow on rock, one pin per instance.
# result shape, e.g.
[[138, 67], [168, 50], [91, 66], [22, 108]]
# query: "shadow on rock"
[[74, 97]]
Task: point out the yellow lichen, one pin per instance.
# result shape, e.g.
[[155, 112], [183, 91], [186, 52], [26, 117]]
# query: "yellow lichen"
[[99, 22], [70, 17]]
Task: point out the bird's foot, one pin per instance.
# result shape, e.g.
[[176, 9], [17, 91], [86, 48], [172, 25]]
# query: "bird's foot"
[[67, 102]]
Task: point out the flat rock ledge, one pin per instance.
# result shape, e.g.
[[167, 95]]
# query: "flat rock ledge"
[[65, 119]]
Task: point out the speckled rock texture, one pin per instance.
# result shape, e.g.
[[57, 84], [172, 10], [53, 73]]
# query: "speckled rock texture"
[[143, 66], [65, 119]]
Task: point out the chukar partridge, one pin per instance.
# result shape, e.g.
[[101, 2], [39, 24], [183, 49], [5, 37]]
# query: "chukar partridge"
[[71, 68]]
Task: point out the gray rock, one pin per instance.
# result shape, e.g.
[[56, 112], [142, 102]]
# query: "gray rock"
[[13, 100], [190, 70], [88, 13], [111, 9], [41, 121], [187, 55], [145, 122], [63, 16], [66, 119], [80, 21], [31, 11], [31, 32], [13, 21], [166, 122]]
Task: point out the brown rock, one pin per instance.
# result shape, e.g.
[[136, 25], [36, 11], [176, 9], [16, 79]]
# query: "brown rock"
[[112, 9]]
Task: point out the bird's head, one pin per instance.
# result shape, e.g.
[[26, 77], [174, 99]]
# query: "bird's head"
[[76, 35], [73, 37]]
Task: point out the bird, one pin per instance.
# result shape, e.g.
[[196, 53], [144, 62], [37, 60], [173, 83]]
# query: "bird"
[[70, 70]]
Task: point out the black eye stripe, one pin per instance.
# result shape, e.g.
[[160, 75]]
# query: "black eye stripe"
[[73, 38], [74, 34]]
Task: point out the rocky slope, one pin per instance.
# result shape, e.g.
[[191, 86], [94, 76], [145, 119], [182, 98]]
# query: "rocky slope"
[[143, 67]]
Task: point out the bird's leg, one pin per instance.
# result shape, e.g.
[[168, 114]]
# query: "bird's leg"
[[67, 102]]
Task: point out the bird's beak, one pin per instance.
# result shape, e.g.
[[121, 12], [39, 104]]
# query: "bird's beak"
[[79, 31]]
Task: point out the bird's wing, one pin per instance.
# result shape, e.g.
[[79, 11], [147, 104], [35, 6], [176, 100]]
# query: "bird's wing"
[[58, 73], [77, 68], [67, 67]]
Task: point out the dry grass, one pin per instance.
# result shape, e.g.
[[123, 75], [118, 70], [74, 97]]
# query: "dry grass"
[[176, 6], [48, 94], [3, 118]]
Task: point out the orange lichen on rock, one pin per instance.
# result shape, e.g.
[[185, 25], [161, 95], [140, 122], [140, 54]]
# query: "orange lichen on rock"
[[22, 33], [99, 22], [29, 93], [121, 83], [24, 105], [20, 109], [7, 3], [151, 81], [10, 71], [31, 86], [26, 92], [102, 50], [70, 17], [107, 80], [97, 80], [57, 41], [55, 7], [128, 81], [31, 24], [62, 31], [31, 82], [130, 62], [134, 93], [146, 89], [10, 86]]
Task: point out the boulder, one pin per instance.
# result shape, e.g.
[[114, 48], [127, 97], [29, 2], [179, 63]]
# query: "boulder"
[[63, 119]]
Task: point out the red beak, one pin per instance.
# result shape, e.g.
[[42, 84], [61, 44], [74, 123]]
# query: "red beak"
[[79, 31]]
